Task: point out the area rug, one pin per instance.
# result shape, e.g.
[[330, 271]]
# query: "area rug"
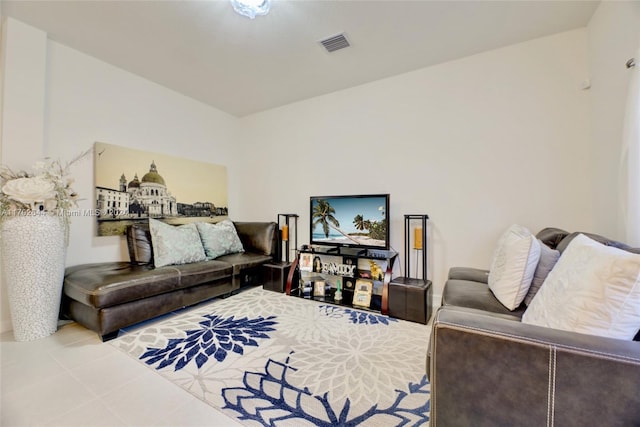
[[269, 359]]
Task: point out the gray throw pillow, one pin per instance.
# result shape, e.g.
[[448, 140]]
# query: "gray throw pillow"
[[175, 245], [548, 259], [219, 239]]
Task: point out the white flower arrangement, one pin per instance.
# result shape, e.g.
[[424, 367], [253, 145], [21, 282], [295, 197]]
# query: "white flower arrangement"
[[47, 190]]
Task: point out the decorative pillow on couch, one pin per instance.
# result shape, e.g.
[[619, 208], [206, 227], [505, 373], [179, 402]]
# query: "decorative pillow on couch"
[[219, 239], [593, 289], [514, 263], [175, 244], [548, 259]]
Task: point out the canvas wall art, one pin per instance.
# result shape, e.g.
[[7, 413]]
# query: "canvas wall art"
[[134, 185]]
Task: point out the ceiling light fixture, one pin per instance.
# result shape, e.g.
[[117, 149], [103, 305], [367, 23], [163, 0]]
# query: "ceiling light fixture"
[[251, 8]]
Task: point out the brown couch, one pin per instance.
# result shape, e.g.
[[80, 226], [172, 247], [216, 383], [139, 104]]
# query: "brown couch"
[[106, 297], [487, 368]]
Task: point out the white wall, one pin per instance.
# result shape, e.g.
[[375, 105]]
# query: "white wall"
[[478, 144], [86, 100], [89, 100], [23, 105], [614, 37], [23, 82]]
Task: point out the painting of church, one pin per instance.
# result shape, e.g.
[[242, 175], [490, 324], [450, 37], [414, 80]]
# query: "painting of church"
[[138, 199], [150, 195]]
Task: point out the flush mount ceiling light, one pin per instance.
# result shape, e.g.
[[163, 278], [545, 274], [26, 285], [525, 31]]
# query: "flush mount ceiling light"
[[251, 8]]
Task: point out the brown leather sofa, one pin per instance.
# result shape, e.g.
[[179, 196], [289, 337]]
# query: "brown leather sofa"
[[486, 368], [106, 297]]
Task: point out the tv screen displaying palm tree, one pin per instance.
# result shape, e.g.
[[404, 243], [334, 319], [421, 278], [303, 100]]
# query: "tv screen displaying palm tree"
[[358, 221]]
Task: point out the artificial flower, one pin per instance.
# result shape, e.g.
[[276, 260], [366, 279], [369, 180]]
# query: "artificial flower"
[[47, 189], [29, 191]]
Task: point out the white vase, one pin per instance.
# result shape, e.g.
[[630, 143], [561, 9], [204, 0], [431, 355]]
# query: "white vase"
[[33, 259]]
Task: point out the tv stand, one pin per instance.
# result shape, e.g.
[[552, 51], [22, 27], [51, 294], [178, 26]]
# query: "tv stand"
[[346, 269]]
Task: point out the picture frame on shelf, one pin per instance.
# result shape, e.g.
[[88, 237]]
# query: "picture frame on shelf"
[[349, 284], [306, 262], [307, 288], [317, 264], [362, 294], [377, 269], [319, 288], [372, 269], [350, 260], [364, 285]]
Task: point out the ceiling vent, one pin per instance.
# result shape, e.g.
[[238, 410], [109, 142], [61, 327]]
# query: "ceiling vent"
[[334, 43]]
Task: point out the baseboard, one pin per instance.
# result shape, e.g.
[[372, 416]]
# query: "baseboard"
[[5, 326], [437, 299]]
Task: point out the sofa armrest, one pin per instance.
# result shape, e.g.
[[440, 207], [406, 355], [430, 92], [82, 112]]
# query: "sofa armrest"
[[468, 273], [493, 370], [259, 237]]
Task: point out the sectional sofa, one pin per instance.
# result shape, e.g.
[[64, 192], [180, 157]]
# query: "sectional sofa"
[[108, 296]]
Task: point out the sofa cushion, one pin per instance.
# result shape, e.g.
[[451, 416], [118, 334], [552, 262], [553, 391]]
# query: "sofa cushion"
[[202, 272], [219, 239], [139, 243], [111, 283], [259, 237], [108, 284], [513, 265], [469, 273], [593, 289], [601, 239], [476, 295], [551, 236], [241, 261], [175, 244], [548, 259]]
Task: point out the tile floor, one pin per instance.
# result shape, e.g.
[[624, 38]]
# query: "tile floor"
[[72, 378]]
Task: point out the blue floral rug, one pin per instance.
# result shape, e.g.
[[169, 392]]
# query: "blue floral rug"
[[269, 359]]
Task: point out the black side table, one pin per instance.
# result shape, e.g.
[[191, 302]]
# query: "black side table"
[[274, 276]]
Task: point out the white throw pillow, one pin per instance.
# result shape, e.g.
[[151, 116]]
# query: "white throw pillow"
[[593, 289], [513, 265]]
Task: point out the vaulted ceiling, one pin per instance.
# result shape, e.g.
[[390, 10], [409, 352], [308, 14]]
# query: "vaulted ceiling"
[[205, 50]]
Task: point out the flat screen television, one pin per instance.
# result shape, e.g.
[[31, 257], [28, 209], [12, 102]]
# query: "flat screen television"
[[359, 221]]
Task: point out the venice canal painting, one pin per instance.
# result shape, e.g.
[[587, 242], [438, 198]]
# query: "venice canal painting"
[[134, 185]]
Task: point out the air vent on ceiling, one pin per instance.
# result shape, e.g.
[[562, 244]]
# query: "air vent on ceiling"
[[334, 43]]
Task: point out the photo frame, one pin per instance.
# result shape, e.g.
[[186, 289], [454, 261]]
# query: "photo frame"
[[306, 262], [317, 264], [319, 288], [306, 288], [349, 284], [362, 294], [372, 269]]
